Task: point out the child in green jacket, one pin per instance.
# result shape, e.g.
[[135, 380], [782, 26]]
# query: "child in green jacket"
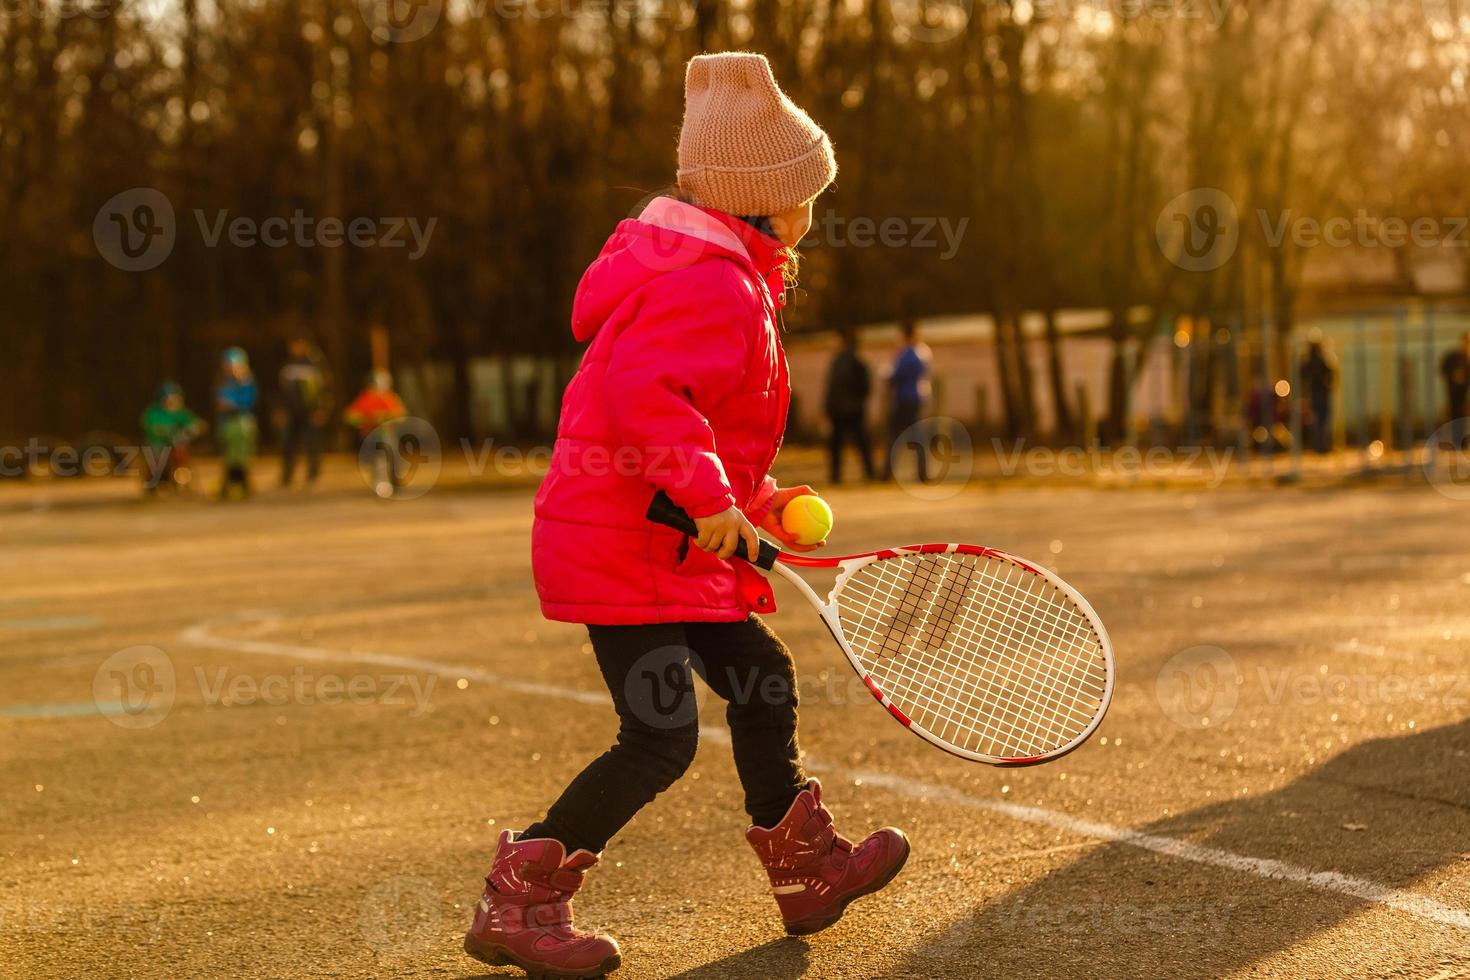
[[168, 428]]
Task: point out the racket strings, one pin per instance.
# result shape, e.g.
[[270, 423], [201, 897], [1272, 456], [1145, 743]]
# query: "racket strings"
[[928, 608], [1032, 722], [981, 652], [934, 689]]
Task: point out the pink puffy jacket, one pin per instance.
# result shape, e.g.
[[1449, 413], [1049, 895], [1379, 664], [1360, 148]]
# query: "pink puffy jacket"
[[683, 389]]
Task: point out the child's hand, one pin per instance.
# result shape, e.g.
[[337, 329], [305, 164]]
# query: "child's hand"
[[722, 533], [772, 521]]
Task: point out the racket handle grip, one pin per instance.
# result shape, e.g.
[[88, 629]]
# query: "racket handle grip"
[[664, 511]]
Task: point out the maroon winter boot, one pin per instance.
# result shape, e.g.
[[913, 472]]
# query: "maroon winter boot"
[[525, 915], [815, 871]]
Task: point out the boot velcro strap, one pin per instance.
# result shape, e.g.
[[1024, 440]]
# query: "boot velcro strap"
[[565, 881], [820, 831], [818, 825]]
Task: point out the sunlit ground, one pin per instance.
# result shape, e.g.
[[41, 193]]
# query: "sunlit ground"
[[277, 738]]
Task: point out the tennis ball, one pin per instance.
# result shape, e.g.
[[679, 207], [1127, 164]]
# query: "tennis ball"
[[808, 519]]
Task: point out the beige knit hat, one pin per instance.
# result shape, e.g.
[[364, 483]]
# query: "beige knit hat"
[[745, 148]]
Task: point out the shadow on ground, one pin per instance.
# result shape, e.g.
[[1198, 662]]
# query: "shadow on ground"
[[1393, 811], [780, 959]]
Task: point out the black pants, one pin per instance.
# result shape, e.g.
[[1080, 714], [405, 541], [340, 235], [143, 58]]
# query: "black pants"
[[235, 475], [902, 419], [1458, 426], [1321, 423], [649, 672], [302, 433], [845, 429]]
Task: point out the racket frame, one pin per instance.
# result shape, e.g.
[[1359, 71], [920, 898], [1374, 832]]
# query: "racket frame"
[[663, 511], [829, 611]]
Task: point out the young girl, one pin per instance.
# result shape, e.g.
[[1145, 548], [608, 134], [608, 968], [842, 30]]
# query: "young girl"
[[683, 389]]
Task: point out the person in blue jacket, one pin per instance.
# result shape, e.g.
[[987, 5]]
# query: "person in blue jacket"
[[908, 392], [234, 397]]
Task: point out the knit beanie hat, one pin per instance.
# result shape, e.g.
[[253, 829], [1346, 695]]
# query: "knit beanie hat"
[[745, 148]]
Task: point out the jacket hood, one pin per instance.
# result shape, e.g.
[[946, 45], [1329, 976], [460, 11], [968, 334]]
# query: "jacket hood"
[[666, 237]]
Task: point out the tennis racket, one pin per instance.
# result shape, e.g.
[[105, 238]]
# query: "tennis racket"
[[983, 654]]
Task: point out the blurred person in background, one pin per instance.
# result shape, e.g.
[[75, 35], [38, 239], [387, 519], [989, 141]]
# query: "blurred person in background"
[[375, 414], [168, 427], [849, 382], [304, 406], [1318, 376], [1266, 411], [908, 393], [1455, 368], [235, 427]]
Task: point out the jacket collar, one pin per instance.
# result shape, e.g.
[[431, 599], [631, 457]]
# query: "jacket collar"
[[764, 253]]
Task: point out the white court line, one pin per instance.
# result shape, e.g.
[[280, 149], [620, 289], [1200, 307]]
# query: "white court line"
[[1420, 906], [200, 635], [1331, 881]]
